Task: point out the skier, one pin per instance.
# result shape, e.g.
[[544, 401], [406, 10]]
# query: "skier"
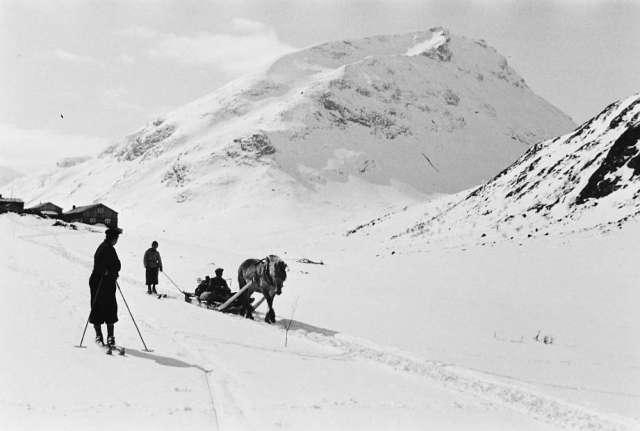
[[102, 284], [152, 264]]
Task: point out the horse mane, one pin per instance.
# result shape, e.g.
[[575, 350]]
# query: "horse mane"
[[279, 267]]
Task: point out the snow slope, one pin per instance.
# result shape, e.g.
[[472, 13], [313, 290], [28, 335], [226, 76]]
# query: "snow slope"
[[434, 330], [586, 179], [552, 240], [357, 116], [444, 329], [388, 365]]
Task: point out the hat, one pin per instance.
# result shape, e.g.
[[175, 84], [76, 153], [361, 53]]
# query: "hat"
[[219, 270], [113, 231]]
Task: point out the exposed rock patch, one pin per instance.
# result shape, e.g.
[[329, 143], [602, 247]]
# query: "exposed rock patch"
[[141, 143], [176, 176]]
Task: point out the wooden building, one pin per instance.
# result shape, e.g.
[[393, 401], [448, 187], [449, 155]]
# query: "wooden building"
[[11, 205], [92, 214], [46, 209]]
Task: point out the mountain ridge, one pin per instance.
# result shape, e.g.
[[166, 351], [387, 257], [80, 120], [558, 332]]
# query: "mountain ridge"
[[586, 179], [357, 112]]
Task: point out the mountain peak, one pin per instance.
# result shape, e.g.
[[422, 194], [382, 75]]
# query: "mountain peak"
[[422, 112]]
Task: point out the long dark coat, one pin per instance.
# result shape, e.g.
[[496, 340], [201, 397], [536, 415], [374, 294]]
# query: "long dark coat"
[[153, 264], [102, 284]]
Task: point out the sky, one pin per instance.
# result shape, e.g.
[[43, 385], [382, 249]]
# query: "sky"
[[78, 75]]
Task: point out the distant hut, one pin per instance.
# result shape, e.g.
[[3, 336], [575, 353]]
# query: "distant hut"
[[46, 209], [9, 205], [92, 214]]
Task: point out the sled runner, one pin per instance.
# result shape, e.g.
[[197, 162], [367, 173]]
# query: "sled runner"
[[230, 305], [265, 276]]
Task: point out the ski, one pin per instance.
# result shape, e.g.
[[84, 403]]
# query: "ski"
[[161, 295], [110, 348]]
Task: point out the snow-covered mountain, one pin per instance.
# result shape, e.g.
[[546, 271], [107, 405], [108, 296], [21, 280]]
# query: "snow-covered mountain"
[[585, 179], [425, 111], [374, 338]]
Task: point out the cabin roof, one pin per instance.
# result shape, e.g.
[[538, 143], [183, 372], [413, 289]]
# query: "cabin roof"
[[42, 204], [81, 209], [7, 200]]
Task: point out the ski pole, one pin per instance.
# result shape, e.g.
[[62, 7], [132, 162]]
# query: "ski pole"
[[95, 298], [173, 282], [134, 320]]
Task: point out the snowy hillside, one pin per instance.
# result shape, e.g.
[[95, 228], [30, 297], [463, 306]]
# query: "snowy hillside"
[[589, 178], [443, 340], [417, 113]]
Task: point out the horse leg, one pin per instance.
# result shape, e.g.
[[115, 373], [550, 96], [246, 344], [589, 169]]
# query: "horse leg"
[[270, 317], [245, 305], [246, 310]]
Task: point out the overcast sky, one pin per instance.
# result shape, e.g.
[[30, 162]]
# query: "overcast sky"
[[109, 66]]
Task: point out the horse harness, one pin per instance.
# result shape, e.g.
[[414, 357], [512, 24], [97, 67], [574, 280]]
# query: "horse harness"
[[267, 273]]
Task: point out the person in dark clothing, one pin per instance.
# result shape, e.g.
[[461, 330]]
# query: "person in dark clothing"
[[102, 284], [219, 285], [218, 290], [152, 264], [204, 286]]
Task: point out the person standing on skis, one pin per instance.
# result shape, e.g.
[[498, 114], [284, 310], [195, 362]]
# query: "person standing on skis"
[[152, 264], [102, 284]]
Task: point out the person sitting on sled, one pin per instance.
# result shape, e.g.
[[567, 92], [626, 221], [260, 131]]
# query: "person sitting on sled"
[[203, 286], [217, 290], [219, 285]]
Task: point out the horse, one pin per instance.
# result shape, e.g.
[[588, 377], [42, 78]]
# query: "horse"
[[267, 276]]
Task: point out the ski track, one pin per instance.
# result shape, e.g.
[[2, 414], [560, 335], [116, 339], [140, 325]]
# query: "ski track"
[[523, 400], [518, 398], [216, 409], [471, 382], [219, 388], [61, 251]]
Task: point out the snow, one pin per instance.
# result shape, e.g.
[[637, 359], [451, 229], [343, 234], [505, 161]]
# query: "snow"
[[426, 310], [437, 39], [471, 115], [377, 341], [583, 180]]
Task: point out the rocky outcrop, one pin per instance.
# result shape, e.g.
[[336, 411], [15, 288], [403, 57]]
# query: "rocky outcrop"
[[586, 179]]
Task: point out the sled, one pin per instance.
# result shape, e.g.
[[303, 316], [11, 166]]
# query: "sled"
[[228, 306]]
